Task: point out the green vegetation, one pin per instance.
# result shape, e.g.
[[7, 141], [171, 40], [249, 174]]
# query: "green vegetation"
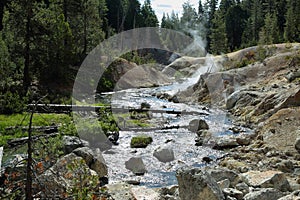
[[141, 141], [236, 24], [11, 125], [83, 184]]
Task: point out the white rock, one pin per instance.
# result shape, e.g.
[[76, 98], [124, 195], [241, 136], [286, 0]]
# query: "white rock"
[[143, 193]]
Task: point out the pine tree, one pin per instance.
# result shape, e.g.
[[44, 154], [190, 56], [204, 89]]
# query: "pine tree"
[[211, 9], [257, 19], [235, 22], [218, 36], [270, 31], [189, 18], [148, 15], [133, 15], [292, 29]]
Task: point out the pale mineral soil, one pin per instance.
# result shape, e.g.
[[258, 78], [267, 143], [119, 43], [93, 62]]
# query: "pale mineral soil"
[[264, 95]]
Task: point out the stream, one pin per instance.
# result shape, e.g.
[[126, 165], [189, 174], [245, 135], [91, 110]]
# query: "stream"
[[180, 140]]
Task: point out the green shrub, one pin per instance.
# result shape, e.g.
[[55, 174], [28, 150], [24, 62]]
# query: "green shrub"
[[141, 141], [11, 102]]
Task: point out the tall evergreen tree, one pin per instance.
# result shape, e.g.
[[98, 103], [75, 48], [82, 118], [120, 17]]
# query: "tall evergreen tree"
[[218, 36], [133, 15], [211, 9], [292, 29], [189, 18], [269, 33], [148, 15], [235, 24]]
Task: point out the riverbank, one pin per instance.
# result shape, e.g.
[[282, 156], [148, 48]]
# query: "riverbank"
[[261, 92]]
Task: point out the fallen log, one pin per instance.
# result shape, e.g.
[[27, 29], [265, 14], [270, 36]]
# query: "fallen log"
[[58, 108], [152, 129], [44, 129], [23, 140]]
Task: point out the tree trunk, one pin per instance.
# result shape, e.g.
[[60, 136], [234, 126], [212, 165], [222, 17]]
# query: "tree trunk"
[[26, 76]]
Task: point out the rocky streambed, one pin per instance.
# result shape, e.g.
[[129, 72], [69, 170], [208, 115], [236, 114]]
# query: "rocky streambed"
[[210, 155]]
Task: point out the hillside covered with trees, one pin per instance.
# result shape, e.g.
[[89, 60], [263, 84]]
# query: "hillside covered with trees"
[[43, 42]]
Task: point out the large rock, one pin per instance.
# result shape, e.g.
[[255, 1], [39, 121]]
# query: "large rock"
[[264, 194], [68, 172], [281, 130], [198, 124], [71, 142], [294, 196], [148, 75], [93, 159], [242, 98], [145, 193], [225, 142], [136, 165], [182, 63], [223, 174], [164, 154], [197, 184], [267, 179]]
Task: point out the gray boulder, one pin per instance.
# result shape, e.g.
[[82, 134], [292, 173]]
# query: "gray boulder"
[[264, 194], [267, 179], [71, 142], [136, 165], [225, 142], [197, 184], [294, 196], [93, 159], [198, 124], [61, 177], [164, 154], [224, 174]]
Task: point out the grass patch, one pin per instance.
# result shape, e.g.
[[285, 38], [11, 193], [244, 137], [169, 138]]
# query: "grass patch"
[[38, 120], [139, 123], [18, 121], [140, 141]]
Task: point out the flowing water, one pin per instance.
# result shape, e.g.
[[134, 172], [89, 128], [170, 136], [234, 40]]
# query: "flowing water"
[[180, 140]]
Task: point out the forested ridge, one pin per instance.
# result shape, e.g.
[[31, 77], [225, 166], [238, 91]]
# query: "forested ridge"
[[43, 42]]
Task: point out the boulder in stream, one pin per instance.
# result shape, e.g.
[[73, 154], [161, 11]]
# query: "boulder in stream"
[[198, 124], [136, 165], [164, 154]]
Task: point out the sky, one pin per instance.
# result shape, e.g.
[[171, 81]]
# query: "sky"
[[166, 6]]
